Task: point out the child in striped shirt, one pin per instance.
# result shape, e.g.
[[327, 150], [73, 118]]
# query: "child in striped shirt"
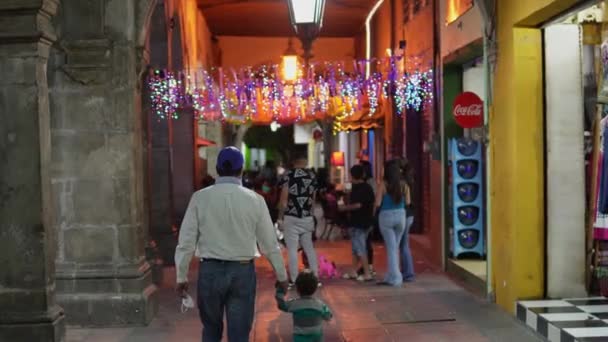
[[308, 312]]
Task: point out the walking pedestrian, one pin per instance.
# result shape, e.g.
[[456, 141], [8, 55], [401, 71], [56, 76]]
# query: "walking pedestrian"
[[308, 312], [224, 224], [298, 188], [391, 198], [361, 208]]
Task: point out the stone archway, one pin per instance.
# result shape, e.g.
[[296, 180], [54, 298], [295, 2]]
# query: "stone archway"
[[97, 164], [73, 221], [27, 236]]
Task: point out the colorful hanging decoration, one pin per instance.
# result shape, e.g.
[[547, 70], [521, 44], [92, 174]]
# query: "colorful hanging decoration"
[[261, 96]]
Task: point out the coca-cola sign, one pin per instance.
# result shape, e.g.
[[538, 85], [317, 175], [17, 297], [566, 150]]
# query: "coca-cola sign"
[[468, 110]]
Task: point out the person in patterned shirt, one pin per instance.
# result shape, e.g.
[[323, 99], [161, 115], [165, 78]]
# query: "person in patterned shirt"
[[298, 189]]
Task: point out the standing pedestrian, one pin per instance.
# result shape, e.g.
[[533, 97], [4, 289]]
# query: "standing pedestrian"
[[224, 224], [298, 188], [369, 179], [407, 262], [361, 209], [391, 198]]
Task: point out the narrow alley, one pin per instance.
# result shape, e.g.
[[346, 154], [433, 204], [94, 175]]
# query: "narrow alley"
[[454, 151]]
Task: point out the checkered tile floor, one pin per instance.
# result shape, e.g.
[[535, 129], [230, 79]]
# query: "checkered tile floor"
[[567, 320]]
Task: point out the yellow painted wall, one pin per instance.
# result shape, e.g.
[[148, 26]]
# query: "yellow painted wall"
[[517, 151]]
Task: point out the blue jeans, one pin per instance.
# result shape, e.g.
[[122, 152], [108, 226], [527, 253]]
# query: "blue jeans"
[[407, 262], [358, 237], [392, 227], [226, 287]]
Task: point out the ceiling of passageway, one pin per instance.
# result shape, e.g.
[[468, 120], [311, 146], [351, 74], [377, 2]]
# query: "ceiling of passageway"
[[343, 18]]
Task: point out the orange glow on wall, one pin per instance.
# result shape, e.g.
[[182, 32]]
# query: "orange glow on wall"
[[337, 159], [194, 32], [456, 8]]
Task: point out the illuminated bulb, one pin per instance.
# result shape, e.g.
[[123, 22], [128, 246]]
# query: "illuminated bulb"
[[290, 68], [274, 126]]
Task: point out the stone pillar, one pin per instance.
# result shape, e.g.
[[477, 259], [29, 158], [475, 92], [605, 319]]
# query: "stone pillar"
[[28, 311], [98, 166], [161, 204]]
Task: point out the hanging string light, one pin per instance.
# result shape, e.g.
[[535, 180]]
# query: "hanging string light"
[[262, 96]]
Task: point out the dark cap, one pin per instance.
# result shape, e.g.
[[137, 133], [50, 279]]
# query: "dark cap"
[[230, 157]]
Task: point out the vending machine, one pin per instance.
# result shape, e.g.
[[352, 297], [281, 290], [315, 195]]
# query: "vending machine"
[[468, 199]]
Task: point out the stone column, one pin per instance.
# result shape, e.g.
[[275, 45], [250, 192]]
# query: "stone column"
[[98, 178], [161, 205], [28, 311]]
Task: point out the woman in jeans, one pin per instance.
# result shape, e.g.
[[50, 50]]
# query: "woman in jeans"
[[391, 197], [407, 263]]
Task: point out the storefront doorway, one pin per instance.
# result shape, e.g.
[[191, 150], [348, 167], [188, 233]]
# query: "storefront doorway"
[[465, 195], [572, 137]]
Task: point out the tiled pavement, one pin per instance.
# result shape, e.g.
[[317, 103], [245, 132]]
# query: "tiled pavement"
[[567, 320], [432, 309]]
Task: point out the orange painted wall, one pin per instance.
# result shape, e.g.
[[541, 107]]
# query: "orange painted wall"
[[197, 52], [250, 51], [418, 34], [195, 34]]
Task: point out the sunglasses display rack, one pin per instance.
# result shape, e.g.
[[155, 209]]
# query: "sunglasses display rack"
[[468, 199]]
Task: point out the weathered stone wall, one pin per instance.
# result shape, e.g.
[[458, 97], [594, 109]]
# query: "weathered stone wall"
[[98, 170], [27, 238], [161, 205]]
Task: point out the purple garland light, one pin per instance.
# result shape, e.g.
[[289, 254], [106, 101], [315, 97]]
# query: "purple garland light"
[[245, 94]]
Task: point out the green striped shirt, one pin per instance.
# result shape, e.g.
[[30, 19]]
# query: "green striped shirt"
[[308, 316]]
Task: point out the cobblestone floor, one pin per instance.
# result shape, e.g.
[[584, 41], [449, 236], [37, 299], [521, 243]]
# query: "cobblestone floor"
[[433, 308]]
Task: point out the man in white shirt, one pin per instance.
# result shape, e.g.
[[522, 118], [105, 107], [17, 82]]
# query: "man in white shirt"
[[224, 224]]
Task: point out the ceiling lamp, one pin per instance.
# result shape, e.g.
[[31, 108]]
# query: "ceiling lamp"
[[307, 20], [306, 12]]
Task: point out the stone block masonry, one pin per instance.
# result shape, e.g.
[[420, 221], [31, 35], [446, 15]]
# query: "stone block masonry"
[[103, 278], [27, 237]]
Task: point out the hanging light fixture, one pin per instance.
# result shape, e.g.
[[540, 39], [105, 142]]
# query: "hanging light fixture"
[[306, 12], [307, 20], [290, 63]]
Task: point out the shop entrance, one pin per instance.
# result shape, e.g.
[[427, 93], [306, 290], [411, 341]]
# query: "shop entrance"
[[573, 141], [465, 177]]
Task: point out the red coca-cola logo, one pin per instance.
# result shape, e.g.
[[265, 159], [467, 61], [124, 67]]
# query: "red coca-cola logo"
[[468, 110]]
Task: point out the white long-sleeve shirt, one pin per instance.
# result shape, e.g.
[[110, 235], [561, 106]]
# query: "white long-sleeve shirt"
[[227, 222]]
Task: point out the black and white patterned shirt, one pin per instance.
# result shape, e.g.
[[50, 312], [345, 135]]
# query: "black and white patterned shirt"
[[301, 185]]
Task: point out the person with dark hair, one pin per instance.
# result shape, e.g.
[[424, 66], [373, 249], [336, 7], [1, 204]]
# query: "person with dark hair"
[[225, 224], [268, 192], [369, 179], [298, 189], [361, 209], [368, 173], [323, 179], [308, 312], [269, 172], [392, 196], [407, 262]]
